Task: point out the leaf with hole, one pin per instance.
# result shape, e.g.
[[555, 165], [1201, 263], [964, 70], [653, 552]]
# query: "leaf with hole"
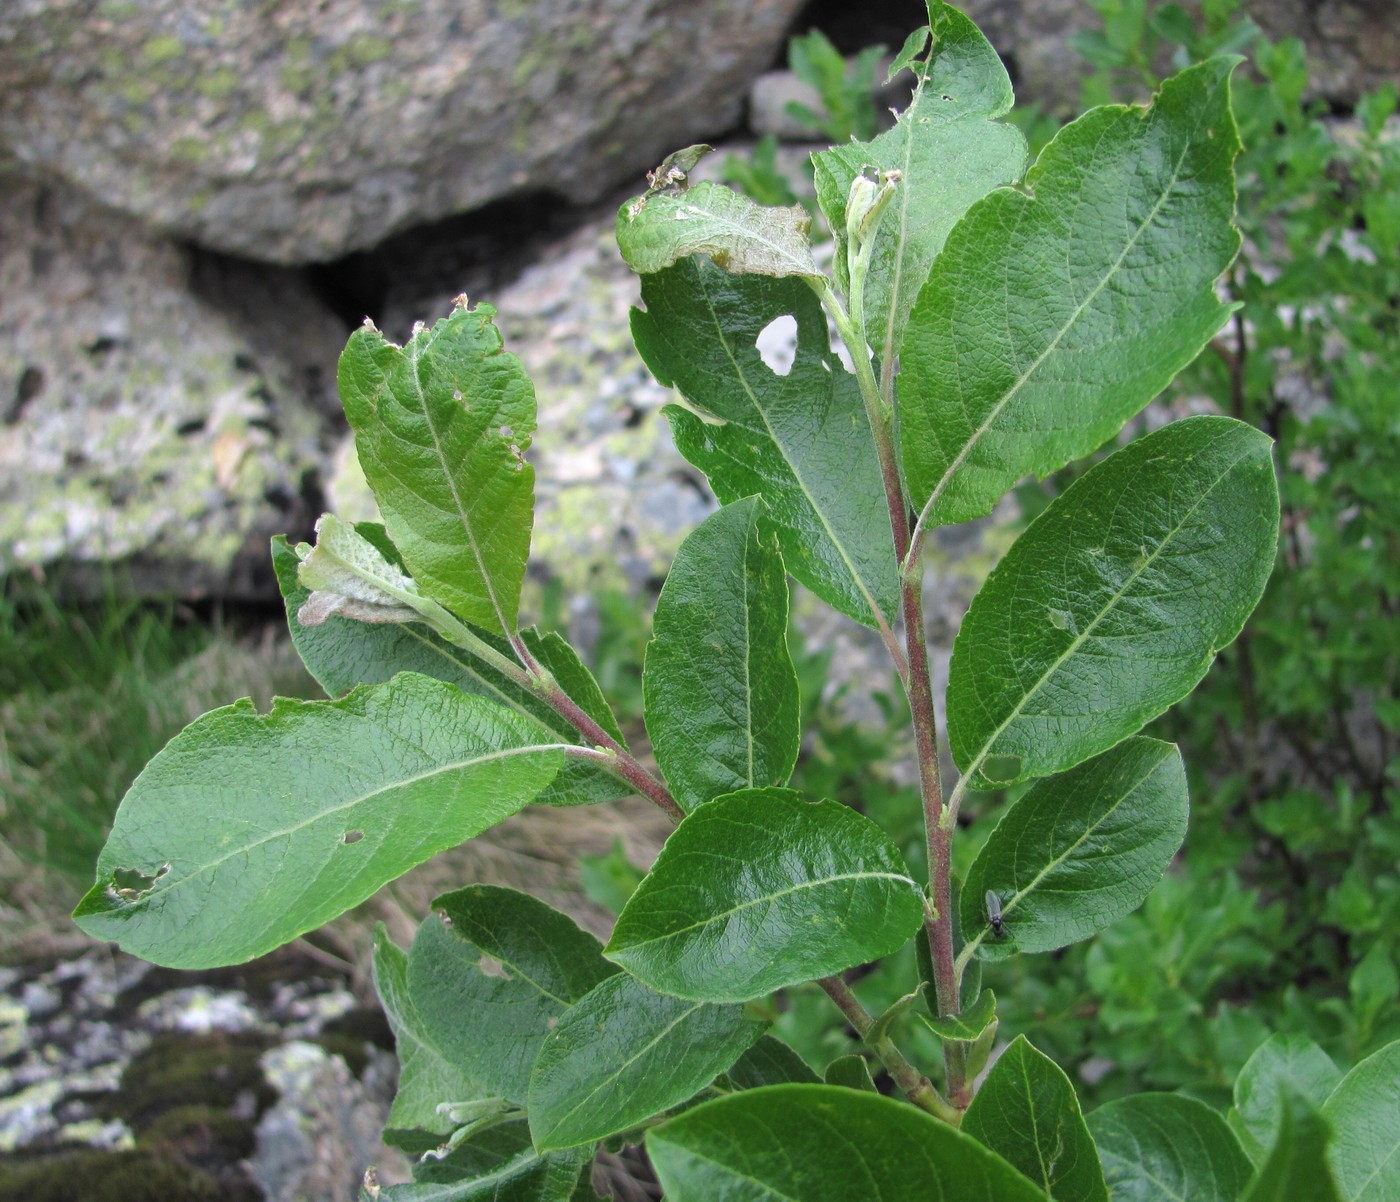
[[1113, 603], [721, 700], [762, 889], [801, 440], [254, 828]]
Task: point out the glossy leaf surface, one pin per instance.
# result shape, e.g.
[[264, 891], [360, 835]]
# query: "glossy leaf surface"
[[1160, 1147], [762, 889], [1296, 1165], [1281, 1065], [623, 1053], [441, 426], [722, 706], [1114, 602], [738, 234], [950, 151], [1057, 312], [491, 972], [770, 1062], [342, 653], [1027, 1112], [1079, 850], [822, 1143], [249, 829], [427, 1075], [498, 1165], [1364, 1111], [800, 441]]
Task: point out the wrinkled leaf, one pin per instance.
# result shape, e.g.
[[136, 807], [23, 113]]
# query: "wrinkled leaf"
[[1281, 1065], [441, 426], [1161, 1147], [762, 889], [1079, 850], [1364, 1112], [249, 829], [1114, 602], [950, 150], [738, 234], [722, 706], [350, 576], [342, 653], [427, 1076], [1056, 313], [623, 1053], [499, 1165], [491, 972], [1296, 1166], [1027, 1112], [821, 1143], [801, 441]]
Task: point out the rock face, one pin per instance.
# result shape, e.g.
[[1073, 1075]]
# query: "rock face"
[[147, 419], [301, 131], [1353, 46]]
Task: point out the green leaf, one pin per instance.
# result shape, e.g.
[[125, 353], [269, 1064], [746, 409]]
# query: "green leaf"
[[623, 1053], [721, 699], [1296, 1166], [967, 1026], [951, 152], [801, 441], [1282, 1064], [1161, 1147], [514, 965], [770, 1062], [821, 1143], [341, 653], [762, 889], [1078, 851], [658, 229], [1364, 1111], [427, 1076], [1027, 1112], [850, 1072], [1056, 313], [441, 426], [1114, 602], [499, 1165], [248, 828]]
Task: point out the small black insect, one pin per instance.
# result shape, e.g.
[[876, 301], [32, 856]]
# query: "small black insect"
[[994, 913]]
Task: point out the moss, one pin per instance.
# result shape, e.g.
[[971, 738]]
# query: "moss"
[[203, 1135], [162, 49], [180, 1070], [219, 84], [189, 150], [96, 1176], [137, 92], [364, 49]]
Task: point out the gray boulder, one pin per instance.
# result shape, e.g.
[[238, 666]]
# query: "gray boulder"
[[302, 131], [159, 414]]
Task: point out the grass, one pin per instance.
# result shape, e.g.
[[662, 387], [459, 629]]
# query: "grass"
[[88, 694]]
